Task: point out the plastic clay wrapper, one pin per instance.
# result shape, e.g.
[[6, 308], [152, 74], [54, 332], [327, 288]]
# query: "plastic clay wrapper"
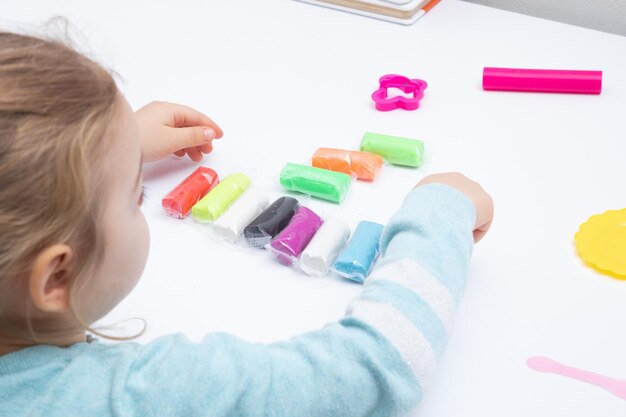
[[357, 259], [231, 224], [270, 222], [316, 182], [364, 165], [394, 149], [212, 205], [324, 248], [290, 243], [181, 199]]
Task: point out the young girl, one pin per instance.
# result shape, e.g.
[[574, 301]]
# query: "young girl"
[[73, 243]]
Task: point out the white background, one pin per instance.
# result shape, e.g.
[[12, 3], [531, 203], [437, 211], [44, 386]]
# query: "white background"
[[283, 78]]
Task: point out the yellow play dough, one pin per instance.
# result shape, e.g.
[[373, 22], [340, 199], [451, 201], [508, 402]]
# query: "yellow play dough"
[[601, 242]]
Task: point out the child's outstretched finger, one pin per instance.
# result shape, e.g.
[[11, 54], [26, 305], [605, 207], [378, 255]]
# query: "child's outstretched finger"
[[194, 154], [206, 149], [189, 137]]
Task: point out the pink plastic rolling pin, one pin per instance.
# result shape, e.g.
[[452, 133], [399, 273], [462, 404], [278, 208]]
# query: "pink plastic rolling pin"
[[541, 80]]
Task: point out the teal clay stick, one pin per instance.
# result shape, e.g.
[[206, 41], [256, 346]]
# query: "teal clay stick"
[[394, 149], [217, 201], [320, 183]]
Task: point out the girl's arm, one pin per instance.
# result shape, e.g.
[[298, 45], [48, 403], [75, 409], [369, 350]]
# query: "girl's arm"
[[376, 361]]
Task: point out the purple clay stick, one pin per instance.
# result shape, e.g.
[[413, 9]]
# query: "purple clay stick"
[[290, 243]]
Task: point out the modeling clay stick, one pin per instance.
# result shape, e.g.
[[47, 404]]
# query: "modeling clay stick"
[[181, 199], [320, 183], [394, 149], [231, 224], [324, 248], [212, 205], [270, 222], [364, 165], [290, 243], [357, 259], [336, 160], [542, 80]]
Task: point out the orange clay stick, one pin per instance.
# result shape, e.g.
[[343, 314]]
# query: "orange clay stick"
[[364, 165]]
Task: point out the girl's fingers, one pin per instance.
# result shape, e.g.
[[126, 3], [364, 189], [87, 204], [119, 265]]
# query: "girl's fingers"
[[205, 149], [194, 154], [184, 116]]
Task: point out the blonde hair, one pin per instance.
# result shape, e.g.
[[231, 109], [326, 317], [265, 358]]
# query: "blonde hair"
[[56, 107]]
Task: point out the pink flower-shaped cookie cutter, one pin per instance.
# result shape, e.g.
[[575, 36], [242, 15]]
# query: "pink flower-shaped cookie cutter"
[[406, 85]]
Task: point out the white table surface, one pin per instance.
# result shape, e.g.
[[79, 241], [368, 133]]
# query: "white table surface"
[[283, 78]]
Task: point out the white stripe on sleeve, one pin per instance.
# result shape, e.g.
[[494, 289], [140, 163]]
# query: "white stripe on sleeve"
[[414, 277], [401, 332]]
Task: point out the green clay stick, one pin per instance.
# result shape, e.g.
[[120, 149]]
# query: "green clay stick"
[[394, 149], [217, 201], [320, 183]]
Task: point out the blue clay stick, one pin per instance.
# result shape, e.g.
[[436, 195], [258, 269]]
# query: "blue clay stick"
[[357, 259]]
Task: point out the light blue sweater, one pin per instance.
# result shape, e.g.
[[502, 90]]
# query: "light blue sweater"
[[376, 361]]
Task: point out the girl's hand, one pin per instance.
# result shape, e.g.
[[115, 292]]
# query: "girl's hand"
[[482, 201], [168, 128]]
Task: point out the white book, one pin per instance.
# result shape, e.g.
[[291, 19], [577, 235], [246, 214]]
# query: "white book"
[[405, 12]]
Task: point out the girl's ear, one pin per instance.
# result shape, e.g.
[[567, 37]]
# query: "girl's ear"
[[49, 283]]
